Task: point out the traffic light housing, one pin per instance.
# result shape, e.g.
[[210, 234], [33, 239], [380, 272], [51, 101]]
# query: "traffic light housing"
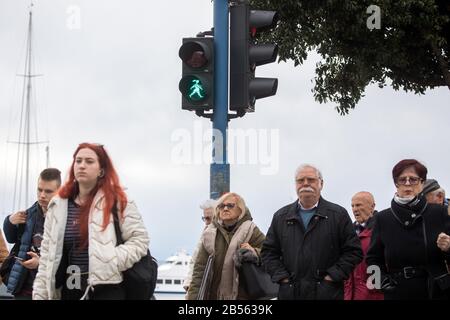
[[246, 55], [197, 82]]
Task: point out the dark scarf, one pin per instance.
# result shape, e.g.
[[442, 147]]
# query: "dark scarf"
[[407, 214]]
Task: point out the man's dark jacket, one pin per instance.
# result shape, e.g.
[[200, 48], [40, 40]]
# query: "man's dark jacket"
[[19, 273], [329, 246]]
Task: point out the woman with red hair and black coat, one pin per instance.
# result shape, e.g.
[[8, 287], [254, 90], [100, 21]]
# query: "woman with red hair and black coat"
[[80, 257], [410, 240]]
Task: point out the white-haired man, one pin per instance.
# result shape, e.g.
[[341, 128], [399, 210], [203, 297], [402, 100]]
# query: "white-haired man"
[[207, 217], [433, 192], [311, 246]]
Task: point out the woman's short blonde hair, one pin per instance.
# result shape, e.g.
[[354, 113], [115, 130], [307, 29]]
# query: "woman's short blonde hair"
[[239, 202]]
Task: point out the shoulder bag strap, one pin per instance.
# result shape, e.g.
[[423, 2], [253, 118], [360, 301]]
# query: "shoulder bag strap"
[[116, 224]]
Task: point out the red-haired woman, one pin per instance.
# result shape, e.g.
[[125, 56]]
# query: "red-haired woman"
[[410, 241], [79, 255]]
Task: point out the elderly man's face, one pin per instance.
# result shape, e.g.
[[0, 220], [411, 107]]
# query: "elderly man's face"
[[208, 215], [362, 207], [308, 186], [435, 197]]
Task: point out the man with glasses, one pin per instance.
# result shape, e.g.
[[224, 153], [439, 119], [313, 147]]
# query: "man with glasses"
[[207, 217], [25, 230], [311, 246]]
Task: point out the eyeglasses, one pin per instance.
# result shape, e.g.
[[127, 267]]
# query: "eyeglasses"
[[307, 180], [412, 180], [206, 219], [228, 205]]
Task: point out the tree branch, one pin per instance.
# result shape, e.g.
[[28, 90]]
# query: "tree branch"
[[442, 63]]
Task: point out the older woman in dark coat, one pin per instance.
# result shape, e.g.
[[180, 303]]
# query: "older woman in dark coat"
[[410, 242]]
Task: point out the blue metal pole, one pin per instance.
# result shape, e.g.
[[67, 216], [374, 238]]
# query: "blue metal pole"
[[220, 169]]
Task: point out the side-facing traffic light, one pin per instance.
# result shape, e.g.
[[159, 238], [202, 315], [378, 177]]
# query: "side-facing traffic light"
[[246, 54], [197, 82]]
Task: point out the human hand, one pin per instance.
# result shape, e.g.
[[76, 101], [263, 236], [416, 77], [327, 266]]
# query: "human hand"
[[18, 218], [33, 262], [246, 245], [443, 242]]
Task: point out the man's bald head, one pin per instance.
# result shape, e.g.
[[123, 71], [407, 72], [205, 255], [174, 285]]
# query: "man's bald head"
[[363, 205]]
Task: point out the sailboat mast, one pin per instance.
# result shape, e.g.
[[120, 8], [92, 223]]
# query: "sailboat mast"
[[47, 152], [27, 137], [28, 108], [22, 182]]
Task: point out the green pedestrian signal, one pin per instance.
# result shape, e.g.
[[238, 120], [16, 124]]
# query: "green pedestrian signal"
[[196, 90], [197, 82], [193, 88]]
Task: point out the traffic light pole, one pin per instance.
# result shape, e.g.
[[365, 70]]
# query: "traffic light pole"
[[220, 168]]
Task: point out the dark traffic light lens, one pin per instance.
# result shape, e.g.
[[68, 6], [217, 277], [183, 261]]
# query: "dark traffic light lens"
[[197, 59], [193, 88], [194, 55]]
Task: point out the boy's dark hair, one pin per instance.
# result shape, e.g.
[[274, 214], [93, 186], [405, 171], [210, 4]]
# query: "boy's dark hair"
[[51, 174]]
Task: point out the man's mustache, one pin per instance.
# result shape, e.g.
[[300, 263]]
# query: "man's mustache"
[[307, 189]]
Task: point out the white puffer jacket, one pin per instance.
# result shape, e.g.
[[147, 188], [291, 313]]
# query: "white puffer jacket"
[[106, 260]]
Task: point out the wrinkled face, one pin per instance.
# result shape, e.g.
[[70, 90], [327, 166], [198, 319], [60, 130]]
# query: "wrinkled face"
[[208, 215], [86, 167], [308, 186], [435, 197], [45, 192], [229, 212], [362, 207], [409, 184]]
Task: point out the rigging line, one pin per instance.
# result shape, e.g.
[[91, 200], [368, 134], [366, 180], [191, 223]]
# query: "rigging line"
[[45, 113], [47, 155], [30, 143], [13, 116], [42, 113], [18, 204], [36, 133], [24, 128], [10, 153], [3, 192], [16, 182], [38, 115]]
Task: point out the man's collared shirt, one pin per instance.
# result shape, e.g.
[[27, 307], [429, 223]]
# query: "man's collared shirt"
[[306, 214]]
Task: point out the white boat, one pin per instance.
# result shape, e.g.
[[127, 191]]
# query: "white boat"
[[172, 273]]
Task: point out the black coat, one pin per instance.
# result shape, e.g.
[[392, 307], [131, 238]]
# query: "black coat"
[[399, 243], [328, 246]]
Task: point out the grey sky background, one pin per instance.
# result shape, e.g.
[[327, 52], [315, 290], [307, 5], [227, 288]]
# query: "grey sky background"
[[115, 81]]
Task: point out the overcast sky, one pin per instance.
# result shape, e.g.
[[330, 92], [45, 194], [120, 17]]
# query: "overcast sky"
[[113, 79]]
